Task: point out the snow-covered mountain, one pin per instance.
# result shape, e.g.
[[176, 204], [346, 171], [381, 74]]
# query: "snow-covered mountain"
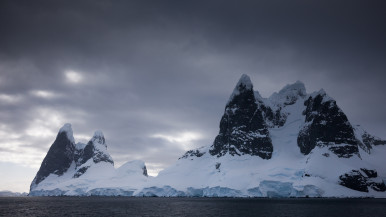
[[292, 144], [85, 169]]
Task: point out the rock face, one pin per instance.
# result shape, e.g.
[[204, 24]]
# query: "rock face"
[[94, 152], [370, 140], [193, 153], [326, 126], [362, 180], [242, 127], [59, 157]]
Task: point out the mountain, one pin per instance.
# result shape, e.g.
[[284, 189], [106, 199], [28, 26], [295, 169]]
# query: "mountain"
[[242, 128], [85, 169], [291, 144], [59, 157], [12, 194]]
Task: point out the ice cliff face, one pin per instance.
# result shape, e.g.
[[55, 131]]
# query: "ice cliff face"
[[292, 144]]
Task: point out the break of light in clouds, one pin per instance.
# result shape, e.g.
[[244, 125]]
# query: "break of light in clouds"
[[155, 76], [183, 139], [43, 94], [73, 77]]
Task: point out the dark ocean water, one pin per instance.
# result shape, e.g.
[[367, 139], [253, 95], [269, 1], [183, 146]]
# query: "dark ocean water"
[[202, 207]]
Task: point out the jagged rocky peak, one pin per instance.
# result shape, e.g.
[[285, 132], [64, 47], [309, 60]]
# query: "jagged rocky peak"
[[273, 108], [242, 127], [193, 153], [96, 149], [99, 138], [243, 85], [93, 153], [59, 157], [326, 126], [289, 94]]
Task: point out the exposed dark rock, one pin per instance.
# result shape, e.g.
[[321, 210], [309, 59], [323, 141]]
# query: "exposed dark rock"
[[242, 127], [63, 152], [357, 181], [354, 180], [378, 186], [273, 119], [218, 166], [144, 171], [86, 154], [192, 153], [95, 149], [370, 173], [58, 159], [370, 140], [80, 171], [326, 125]]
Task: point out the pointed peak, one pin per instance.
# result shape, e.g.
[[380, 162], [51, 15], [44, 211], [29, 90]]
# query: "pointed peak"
[[297, 87], [68, 130], [242, 85], [99, 138], [322, 93], [246, 81], [299, 82], [98, 134], [289, 94]]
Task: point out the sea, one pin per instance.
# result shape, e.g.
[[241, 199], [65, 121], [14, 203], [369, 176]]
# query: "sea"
[[200, 207]]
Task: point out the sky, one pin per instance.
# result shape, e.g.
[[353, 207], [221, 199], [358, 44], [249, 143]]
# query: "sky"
[[155, 76]]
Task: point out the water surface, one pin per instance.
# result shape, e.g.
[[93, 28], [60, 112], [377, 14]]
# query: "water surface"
[[202, 207]]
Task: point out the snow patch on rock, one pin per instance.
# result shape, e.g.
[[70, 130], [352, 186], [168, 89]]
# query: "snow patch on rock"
[[68, 130]]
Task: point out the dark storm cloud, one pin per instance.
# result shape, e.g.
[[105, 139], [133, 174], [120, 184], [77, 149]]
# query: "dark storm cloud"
[[168, 67]]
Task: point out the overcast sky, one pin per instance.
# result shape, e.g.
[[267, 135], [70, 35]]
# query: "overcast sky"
[[155, 76]]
